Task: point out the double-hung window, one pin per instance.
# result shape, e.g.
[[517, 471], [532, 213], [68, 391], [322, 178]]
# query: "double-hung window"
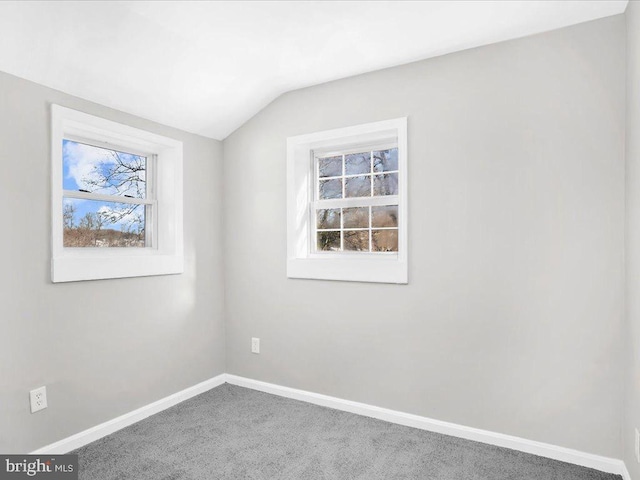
[[356, 200], [108, 197], [116, 199], [347, 203]]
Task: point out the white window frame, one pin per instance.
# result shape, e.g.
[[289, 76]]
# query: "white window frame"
[[302, 259], [165, 254]]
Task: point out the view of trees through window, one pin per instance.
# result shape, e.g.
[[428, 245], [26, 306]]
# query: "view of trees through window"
[[105, 193], [362, 228]]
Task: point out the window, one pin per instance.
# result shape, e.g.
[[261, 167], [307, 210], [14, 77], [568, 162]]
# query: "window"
[[108, 196], [347, 204], [356, 200], [116, 199]]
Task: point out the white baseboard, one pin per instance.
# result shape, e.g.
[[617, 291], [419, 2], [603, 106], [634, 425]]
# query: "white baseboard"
[[92, 434], [604, 464]]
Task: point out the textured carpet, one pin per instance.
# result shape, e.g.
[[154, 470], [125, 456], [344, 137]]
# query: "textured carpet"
[[236, 433]]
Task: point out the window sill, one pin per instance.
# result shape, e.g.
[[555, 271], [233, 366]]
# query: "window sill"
[[99, 267], [386, 269]]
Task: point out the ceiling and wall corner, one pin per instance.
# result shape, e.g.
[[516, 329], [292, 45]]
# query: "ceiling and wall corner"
[[207, 67]]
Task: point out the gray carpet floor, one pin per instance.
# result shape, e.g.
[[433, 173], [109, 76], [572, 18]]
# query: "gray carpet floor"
[[236, 433]]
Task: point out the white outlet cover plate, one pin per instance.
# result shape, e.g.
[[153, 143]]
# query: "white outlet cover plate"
[[255, 345], [38, 399], [637, 446]]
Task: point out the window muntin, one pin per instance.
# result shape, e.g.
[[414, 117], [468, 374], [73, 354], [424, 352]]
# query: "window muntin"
[[107, 196], [356, 201]]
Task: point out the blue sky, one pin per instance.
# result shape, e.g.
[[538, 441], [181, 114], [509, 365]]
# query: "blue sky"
[[82, 163]]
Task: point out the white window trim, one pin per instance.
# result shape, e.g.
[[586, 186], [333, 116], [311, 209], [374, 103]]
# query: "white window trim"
[[302, 262], [165, 256]]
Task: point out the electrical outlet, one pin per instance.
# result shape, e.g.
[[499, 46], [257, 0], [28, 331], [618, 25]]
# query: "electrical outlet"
[[637, 446], [255, 345], [38, 399]]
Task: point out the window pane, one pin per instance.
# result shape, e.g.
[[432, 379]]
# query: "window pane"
[[384, 240], [328, 241], [330, 166], [328, 218], [357, 163], [385, 184], [386, 216], [357, 186], [385, 160], [92, 223], [100, 170], [356, 240], [331, 188], [356, 217]]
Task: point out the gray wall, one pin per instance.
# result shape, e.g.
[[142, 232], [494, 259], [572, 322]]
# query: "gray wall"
[[632, 397], [512, 320], [102, 348]]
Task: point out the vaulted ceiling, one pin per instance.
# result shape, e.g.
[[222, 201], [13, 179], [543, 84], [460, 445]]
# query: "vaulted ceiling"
[[207, 67]]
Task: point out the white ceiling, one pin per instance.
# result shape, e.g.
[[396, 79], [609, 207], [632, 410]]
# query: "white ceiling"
[[207, 67]]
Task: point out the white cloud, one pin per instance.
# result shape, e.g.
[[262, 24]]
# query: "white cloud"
[[127, 220], [81, 160]]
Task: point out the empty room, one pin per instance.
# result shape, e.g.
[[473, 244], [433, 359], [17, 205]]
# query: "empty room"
[[303, 240]]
